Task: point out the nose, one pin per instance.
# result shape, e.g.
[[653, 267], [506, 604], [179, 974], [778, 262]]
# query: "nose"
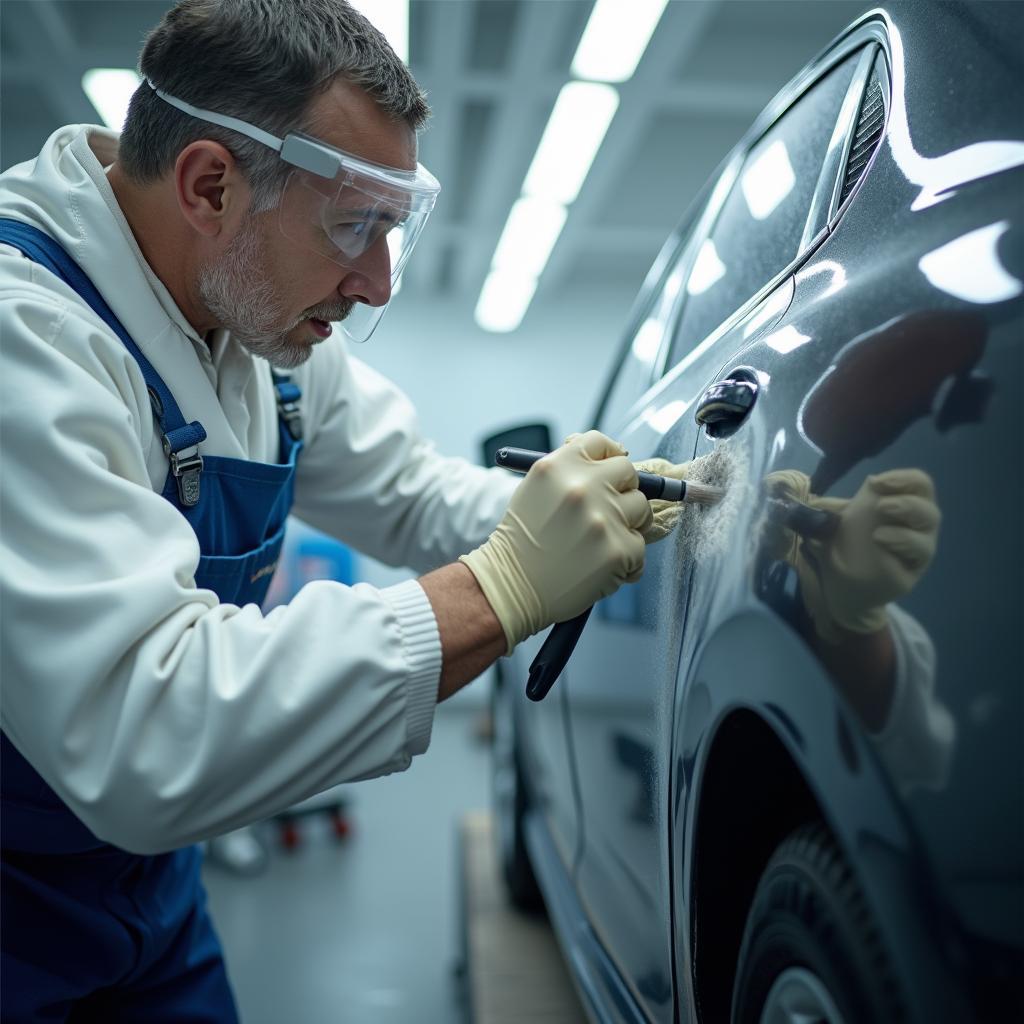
[[369, 278]]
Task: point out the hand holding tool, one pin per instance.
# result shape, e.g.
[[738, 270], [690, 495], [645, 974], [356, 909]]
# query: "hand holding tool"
[[556, 650], [571, 536], [873, 548]]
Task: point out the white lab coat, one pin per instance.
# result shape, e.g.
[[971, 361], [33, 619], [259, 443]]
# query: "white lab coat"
[[158, 714]]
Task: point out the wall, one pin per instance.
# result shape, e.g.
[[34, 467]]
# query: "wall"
[[467, 384]]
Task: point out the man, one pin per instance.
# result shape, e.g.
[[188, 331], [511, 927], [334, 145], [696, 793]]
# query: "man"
[[151, 457]]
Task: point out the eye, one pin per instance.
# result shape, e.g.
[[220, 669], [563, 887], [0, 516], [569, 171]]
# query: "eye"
[[350, 234]]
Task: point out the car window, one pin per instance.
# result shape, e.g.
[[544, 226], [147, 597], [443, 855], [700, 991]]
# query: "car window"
[[634, 368], [758, 231], [633, 376]]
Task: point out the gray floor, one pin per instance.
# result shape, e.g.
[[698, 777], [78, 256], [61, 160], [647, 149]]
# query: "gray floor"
[[366, 930]]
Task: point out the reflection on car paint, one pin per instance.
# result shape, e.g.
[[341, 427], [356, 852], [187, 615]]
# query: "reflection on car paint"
[[786, 339], [969, 268], [768, 180], [885, 380], [836, 270], [940, 176], [838, 593]]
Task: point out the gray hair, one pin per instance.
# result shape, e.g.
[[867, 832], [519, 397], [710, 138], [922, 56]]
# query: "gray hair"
[[263, 61]]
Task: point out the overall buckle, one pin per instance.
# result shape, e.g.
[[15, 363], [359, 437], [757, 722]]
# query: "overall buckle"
[[289, 412], [187, 466]]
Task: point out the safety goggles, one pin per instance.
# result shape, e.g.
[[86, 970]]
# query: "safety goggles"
[[341, 206]]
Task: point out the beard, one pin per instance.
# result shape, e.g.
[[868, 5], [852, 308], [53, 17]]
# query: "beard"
[[238, 291]]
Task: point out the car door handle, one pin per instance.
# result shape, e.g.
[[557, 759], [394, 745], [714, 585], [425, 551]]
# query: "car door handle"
[[727, 403]]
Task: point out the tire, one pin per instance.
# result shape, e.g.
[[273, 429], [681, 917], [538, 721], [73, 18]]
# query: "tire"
[[810, 949], [510, 804]]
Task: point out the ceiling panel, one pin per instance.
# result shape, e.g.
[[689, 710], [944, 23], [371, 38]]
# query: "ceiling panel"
[[492, 70], [492, 34], [765, 42], [109, 23]]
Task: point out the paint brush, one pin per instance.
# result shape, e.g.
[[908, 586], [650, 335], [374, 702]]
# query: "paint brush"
[[651, 485], [561, 641]]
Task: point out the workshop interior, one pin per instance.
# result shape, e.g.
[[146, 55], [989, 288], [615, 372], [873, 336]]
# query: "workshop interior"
[[623, 628]]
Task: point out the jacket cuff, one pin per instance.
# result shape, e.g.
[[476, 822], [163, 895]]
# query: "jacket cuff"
[[421, 648]]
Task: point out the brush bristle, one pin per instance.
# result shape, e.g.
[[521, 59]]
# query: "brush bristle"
[[703, 494]]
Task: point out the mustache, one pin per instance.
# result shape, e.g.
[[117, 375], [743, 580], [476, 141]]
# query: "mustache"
[[330, 312]]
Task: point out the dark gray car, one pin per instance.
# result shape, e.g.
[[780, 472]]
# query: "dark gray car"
[[730, 814]]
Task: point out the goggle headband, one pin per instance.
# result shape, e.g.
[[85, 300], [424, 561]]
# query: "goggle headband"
[[308, 153]]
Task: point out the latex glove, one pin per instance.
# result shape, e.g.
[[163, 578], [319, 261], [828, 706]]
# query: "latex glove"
[[572, 535], [665, 514], [886, 539]]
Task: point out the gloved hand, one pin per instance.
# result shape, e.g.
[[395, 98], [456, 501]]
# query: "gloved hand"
[[572, 534], [886, 540], [665, 513]]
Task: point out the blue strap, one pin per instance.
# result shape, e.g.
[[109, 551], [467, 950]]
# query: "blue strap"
[[39, 247], [288, 395]]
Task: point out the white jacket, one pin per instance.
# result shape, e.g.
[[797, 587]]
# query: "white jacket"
[[158, 714]]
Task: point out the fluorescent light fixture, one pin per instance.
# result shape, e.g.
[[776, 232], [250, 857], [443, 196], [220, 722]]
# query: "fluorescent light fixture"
[[969, 267], [708, 269], [392, 18], [768, 180], [615, 39], [573, 136], [532, 228], [504, 299], [110, 90]]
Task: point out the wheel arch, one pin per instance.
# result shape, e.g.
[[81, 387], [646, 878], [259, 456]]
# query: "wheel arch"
[[752, 795]]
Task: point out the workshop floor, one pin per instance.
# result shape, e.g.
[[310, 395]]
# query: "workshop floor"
[[364, 930]]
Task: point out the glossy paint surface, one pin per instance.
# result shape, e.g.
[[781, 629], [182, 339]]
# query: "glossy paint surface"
[[896, 344]]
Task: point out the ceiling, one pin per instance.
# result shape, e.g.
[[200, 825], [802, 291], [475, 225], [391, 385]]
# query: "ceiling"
[[492, 69]]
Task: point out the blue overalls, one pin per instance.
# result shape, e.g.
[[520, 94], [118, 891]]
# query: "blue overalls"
[[90, 931]]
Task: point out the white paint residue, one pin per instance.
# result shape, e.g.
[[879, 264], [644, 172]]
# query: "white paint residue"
[[705, 532]]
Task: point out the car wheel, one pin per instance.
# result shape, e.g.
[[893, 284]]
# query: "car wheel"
[[810, 950], [509, 801]]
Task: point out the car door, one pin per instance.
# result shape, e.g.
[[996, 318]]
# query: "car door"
[[734, 282], [892, 362]]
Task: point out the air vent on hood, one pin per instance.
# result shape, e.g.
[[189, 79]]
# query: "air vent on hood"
[[870, 123]]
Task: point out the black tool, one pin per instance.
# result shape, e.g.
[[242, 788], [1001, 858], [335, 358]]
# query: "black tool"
[[561, 641], [650, 485]]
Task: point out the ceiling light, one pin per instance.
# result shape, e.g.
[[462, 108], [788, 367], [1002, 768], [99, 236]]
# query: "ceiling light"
[[573, 136], [110, 90], [392, 18], [768, 181], [615, 39], [532, 228], [504, 299]]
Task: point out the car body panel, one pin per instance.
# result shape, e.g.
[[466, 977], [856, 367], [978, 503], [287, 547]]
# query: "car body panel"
[[894, 344]]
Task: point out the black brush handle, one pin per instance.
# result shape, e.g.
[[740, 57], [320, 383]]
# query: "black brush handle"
[[553, 655], [650, 485]]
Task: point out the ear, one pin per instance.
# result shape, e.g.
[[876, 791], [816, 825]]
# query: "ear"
[[211, 189]]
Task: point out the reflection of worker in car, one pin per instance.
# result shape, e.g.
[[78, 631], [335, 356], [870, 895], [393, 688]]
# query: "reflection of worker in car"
[[879, 655]]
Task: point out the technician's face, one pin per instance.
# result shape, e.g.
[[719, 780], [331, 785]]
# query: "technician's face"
[[277, 296]]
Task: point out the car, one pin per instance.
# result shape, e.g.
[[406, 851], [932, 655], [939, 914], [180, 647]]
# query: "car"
[[730, 813]]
